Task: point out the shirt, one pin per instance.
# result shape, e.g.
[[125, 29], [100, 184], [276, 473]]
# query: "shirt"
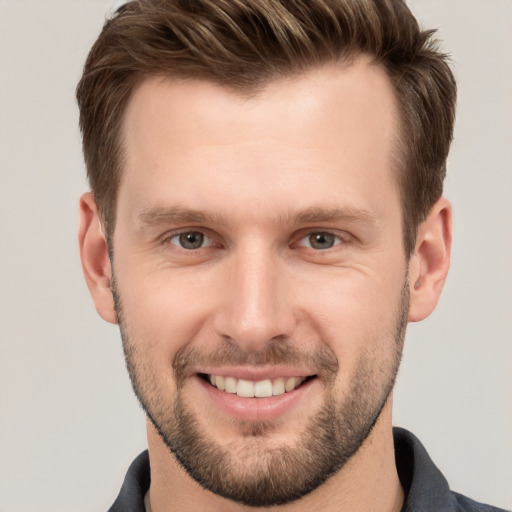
[[425, 488]]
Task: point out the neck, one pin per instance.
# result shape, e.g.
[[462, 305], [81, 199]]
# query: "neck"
[[369, 481]]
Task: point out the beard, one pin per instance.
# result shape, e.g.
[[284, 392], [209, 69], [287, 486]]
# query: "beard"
[[251, 469]]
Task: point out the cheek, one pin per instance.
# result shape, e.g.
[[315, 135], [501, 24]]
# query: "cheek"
[[356, 314], [163, 310]]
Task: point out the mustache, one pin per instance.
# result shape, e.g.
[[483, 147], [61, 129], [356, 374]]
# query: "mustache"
[[276, 352]]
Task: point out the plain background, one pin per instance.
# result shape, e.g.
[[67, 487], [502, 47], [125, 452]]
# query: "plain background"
[[69, 425]]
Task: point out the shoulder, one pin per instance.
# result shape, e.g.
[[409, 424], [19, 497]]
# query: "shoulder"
[[425, 487], [465, 504], [135, 486]]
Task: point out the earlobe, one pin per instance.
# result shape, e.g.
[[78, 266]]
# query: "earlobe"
[[95, 258], [430, 262]]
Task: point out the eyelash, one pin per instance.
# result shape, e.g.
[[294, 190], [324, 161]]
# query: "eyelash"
[[338, 239], [191, 232]]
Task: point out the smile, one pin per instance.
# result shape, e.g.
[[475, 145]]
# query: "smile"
[[258, 395], [256, 389]]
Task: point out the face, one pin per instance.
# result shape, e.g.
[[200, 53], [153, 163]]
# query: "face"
[[259, 274]]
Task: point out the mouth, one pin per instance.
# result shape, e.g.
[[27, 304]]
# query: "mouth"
[[255, 389], [251, 394]]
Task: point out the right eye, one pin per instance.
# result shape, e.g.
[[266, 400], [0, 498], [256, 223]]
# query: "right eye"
[[190, 240]]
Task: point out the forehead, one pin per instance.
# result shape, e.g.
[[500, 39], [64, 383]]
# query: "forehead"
[[305, 132], [359, 93]]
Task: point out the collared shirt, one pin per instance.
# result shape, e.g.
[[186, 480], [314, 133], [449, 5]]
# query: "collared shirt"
[[425, 488]]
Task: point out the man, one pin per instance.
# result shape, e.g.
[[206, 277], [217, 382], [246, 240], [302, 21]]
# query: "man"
[[266, 216]]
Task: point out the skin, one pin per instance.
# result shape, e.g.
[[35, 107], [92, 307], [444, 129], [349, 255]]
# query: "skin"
[[260, 167]]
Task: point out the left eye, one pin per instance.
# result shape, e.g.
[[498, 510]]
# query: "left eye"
[[190, 240], [320, 240]]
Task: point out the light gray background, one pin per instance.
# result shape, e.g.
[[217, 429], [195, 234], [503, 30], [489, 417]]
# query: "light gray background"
[[69, 426]]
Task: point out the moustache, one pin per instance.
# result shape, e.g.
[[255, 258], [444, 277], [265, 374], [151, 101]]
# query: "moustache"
[[321, 361]]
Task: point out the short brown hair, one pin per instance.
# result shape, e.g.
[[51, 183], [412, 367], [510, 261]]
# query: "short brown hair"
[[244, 44]]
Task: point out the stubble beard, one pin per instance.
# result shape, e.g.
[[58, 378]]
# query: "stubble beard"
[[250, 470]]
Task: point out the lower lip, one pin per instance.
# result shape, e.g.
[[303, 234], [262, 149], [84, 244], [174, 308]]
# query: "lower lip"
[[257, 409]]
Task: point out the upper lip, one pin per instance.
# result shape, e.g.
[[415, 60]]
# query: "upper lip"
[[255, 373]]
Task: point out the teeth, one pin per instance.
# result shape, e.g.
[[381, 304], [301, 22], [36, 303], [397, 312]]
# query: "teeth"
[[230, 384], [219, 382], [245, 388], [263, 388], [290, 384], [278, 387]]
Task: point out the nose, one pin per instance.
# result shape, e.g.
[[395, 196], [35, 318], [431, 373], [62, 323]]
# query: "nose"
[[255, 307]]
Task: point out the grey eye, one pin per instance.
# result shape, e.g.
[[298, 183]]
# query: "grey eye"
[[189, 240], [322, 240]]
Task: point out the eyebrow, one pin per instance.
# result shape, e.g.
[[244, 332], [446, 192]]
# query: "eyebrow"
[[179, 215], [349, 214]]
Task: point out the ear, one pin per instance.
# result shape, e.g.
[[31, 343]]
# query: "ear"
[[95, 260], [428, 267]]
